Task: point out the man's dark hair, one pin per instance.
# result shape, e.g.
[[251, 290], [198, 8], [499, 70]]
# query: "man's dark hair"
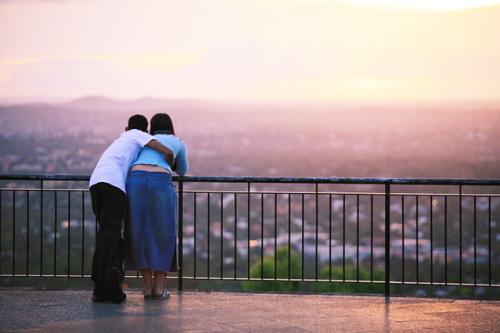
[[139, 122]]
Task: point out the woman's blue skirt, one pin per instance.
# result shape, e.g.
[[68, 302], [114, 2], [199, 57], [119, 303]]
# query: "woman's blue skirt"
[[151, 223]]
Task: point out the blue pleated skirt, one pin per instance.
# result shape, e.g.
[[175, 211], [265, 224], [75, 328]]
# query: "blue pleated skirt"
[[151, 223]]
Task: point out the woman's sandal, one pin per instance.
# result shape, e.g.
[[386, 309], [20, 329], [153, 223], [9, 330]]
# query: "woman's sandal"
[[150, 296], [163, 295]]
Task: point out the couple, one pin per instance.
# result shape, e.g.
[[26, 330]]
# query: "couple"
[[137, 183]]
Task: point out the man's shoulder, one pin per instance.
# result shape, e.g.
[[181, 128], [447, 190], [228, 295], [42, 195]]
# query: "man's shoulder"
[[134, 134]]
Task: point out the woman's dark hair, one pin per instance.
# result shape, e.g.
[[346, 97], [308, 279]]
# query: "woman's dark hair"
[[162, 122], [139, 122]]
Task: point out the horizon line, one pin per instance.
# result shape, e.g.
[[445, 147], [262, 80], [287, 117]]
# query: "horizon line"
[[16, 101]]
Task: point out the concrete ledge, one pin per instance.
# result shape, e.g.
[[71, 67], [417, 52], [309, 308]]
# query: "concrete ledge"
[[26, 310]]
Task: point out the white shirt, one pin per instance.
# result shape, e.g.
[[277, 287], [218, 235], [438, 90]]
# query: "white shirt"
[[115, 162]]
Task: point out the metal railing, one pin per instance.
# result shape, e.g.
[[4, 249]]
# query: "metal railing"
[[255, 230]]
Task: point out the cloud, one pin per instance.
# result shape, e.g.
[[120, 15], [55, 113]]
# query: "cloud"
[[21, 61], [165, 62], [8, 67], [34, 0], [5, 76]]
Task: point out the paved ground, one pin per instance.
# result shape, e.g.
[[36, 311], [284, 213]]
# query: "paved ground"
[[191, 311]]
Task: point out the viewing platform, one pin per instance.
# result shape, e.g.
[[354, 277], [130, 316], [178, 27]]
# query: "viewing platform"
[[36, 310], [321, 242]]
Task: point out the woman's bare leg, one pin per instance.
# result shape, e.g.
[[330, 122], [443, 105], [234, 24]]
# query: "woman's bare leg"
[[158, 282], [147, 278]]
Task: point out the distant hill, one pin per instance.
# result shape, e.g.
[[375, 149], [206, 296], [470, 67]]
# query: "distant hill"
[[102, 103], [145, 104], [96, 103]]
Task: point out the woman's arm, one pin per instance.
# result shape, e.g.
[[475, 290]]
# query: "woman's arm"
[[181, 162]]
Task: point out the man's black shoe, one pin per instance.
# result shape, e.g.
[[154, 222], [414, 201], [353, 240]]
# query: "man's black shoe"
[[117, 297], [115, 292], [98, 299]]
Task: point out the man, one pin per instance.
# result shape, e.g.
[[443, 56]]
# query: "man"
[[109, 202]]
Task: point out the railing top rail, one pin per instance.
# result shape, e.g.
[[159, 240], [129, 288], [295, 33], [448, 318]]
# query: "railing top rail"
[[44, 177], [333, 180], [303, 180]]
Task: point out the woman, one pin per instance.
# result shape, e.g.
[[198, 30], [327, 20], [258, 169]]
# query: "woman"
[[151, 224]]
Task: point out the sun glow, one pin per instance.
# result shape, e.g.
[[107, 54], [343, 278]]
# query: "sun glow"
[[429, 4], [251, 49]]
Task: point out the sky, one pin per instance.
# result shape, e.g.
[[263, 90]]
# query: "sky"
[[251, 50]]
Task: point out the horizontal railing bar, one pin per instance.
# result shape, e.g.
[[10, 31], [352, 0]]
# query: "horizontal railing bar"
[[45, 177], [292, 180], [493, 195], [46, 275], [346, 193], [23, 189], [279, 192], [463, 195], [442, 284], [64, 276], [381, 181], [278, 280]]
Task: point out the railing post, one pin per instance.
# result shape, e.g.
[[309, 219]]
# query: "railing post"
[[180, 232], [387, 239], [41, 228], [460, 232]]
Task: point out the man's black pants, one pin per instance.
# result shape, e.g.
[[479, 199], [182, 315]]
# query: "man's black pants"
[[109, 204]]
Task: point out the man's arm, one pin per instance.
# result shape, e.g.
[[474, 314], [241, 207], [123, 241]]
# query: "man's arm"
[[169, 154]]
